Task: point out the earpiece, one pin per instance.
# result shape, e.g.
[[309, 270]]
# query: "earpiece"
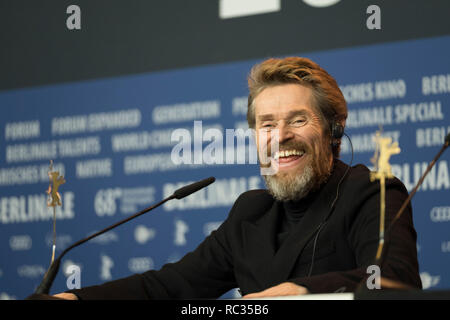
[[337, 130]]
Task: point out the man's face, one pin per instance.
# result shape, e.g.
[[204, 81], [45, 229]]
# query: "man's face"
[[304, 158]]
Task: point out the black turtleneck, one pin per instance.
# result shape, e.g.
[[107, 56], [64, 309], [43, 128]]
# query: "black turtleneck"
[[293, 212]]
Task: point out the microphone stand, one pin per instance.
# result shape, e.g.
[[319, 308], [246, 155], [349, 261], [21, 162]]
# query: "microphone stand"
[[381, 258], [43, 289], [50, 275]]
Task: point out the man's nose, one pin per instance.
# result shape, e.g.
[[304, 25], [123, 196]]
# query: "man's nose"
[[284, 133]]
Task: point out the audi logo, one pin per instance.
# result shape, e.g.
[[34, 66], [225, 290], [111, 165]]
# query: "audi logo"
[[440, 214]]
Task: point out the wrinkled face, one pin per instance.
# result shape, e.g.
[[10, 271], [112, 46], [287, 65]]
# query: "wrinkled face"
[[304, 158]]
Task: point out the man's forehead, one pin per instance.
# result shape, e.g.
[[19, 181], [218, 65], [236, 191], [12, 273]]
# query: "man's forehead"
[[284, 92], [283, 99], [289, 112]]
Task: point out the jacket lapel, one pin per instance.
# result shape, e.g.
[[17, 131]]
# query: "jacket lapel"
[[287, 255], [271, 266], [260, 243]]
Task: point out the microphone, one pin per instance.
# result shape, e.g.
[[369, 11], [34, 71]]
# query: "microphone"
[[193, 187], [49, 277]]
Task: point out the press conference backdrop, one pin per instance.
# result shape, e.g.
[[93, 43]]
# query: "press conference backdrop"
[[115, 141]]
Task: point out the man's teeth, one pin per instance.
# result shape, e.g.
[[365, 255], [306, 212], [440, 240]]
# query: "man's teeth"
[[287, 153]]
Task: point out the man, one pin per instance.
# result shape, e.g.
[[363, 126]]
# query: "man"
[[314, 230]]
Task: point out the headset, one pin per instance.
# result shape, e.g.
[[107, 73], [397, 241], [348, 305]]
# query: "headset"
[[337, 132]]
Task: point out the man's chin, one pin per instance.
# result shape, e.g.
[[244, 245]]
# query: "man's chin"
[[290, 184], [285, 176], [287, 173]]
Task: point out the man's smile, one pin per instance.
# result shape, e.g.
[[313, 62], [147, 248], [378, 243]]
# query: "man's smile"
[[287, 159]]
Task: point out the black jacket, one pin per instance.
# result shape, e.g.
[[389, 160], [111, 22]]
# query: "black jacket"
[[242, 251]]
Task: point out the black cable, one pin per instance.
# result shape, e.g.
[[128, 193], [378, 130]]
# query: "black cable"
[[322, 224]]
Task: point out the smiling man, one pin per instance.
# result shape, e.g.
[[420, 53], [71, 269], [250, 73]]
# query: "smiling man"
[[315, 228], [304, 160]]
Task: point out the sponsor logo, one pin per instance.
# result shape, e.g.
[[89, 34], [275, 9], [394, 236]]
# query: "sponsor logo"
[[210, 227], [142, 234], [445, 246], [61, 240], [429, 281], [20, 242], [30, 271], [181, 228], [440, 214], [140, 264], [106, 265]]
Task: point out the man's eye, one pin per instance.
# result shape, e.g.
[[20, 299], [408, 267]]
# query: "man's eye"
[[299, 122]]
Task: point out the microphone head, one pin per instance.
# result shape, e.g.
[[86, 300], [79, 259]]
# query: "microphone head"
[[447, 139], [193, 187]]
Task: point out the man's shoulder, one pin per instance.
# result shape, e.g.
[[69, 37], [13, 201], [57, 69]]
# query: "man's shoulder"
[[255, 197], [252, 201], [359, 178], [255, 194], [359, 173]]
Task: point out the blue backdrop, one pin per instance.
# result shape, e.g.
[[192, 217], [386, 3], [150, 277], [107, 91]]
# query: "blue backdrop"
[[111, 139]]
